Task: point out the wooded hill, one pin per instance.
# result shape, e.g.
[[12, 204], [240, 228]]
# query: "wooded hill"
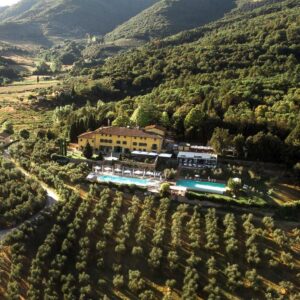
[[44, 22], [240, 73], [169, 17], [40, 20]]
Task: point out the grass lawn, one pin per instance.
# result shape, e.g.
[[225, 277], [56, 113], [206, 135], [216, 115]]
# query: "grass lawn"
[[78, 155], [263, 186], [75, 155]]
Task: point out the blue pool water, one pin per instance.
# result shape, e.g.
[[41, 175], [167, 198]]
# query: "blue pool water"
[[124, 180], [202, 186]]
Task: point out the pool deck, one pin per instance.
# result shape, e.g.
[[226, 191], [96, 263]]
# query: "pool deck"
[[124, 180], [154, 183]]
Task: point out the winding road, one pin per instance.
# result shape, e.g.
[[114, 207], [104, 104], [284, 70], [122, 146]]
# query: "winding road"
[[52, 197]]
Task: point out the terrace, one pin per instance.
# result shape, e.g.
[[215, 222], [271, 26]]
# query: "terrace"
[[126, 176], [124, 171]]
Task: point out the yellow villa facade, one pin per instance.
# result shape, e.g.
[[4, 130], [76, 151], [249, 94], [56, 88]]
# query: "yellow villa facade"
[[122, 139]]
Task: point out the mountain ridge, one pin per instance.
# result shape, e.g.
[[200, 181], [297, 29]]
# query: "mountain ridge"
[[46, 19], [167, 17]]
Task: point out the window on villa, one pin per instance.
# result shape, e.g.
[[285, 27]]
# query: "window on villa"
[[118, 142], [124, 143], [134, 143], [105, 141], [142, 144]]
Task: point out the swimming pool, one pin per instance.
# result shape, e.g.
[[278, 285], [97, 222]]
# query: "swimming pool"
[[202, 186], [124, 180]]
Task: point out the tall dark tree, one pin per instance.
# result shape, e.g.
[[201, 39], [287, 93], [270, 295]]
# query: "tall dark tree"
[[88, 151]]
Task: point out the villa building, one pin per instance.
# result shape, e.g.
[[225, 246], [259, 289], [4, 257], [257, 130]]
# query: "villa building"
[[123, 139], [156, 129]]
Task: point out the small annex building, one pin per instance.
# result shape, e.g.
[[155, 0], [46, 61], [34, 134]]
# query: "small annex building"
[[197, 160]]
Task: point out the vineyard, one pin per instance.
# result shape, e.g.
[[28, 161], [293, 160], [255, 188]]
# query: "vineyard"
[[20, 198], [115, 246]]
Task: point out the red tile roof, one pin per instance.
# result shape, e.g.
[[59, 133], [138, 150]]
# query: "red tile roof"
[[87, 135], [155, 127], [4, 135], [122, 131]]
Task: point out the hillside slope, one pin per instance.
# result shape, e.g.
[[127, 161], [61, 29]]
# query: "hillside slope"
[[240, 73], [2, 9], [17, 9], [32, 20], [7, 73], [168, 17]]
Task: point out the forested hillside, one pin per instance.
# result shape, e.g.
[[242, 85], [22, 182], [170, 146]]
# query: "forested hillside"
[[17, 9], [37, 21], [240, 74], [251, 4], [169, 17]]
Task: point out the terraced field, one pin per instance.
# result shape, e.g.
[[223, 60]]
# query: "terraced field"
[[19, 100]]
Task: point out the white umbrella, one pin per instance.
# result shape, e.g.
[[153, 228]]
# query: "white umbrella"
[[149, 173], [111, 158], [127, 172], [97, 169], [107, 169], [138, 172], [118, 170]]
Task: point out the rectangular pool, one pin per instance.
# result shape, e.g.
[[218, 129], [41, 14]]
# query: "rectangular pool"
[[124, 180], [202, 186]]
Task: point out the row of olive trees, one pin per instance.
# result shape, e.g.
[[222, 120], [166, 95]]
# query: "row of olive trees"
[[22, 197]]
